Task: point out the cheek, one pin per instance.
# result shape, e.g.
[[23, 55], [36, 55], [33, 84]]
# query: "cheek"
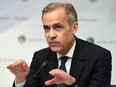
[[66, 39], [46, 36], [63, 40]]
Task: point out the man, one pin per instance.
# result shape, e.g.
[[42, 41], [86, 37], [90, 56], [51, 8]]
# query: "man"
[[88, 65]]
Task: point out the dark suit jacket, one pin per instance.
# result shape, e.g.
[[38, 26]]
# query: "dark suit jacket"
[[91, 66]]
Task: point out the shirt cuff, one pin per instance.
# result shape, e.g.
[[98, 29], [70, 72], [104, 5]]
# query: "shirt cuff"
[[20, 84]]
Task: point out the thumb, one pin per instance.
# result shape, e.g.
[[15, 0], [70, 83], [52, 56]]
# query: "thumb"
[[50, 82], [25, 67]]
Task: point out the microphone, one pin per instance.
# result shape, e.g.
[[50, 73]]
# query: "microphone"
[[43, 65]]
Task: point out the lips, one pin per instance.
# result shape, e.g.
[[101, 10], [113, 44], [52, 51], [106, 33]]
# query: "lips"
[[53, 43]]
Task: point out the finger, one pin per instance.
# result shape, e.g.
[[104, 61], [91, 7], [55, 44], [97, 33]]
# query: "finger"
[[9, 66], [16, 66], [58, 73], [25, 67], [50, 82], [14, 71], [55, 72], [18, 63]]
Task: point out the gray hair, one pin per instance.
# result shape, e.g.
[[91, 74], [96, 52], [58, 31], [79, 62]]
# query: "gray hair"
[[69, 8]]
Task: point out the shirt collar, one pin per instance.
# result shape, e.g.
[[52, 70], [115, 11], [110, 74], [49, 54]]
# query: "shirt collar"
[[70, 53]]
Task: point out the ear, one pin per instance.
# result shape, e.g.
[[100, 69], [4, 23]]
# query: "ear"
[[74, 27]]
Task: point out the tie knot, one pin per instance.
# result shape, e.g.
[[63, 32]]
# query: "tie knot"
[[63, 59]]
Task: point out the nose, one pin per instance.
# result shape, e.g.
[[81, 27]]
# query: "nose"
[[52, 34]]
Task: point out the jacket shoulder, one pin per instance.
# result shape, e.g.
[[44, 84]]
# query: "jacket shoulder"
[[91, 46]]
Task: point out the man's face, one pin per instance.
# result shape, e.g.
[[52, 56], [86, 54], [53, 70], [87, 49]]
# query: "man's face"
[[58, 32]]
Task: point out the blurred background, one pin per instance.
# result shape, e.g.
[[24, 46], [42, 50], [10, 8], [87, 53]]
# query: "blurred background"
[[21, 32]]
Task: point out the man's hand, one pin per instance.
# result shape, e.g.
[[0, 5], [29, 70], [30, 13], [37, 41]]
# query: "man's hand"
[[20, 69], [60, 77]]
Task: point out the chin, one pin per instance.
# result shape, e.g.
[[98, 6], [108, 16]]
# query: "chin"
[[55, 49]]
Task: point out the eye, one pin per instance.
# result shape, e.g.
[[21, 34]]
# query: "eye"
[[46, 28], [58, 27]]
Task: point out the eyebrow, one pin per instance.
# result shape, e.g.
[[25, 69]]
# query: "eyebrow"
[[52, 25]]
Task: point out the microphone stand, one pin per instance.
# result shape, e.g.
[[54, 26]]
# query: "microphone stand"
[[43, 65]]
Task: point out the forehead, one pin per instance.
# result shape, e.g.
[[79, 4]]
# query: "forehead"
[[54, 16]]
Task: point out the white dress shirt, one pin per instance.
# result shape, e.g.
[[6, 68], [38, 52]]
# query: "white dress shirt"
[[68, 62]]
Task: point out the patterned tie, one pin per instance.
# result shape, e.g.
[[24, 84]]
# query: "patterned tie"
[[62, 67]]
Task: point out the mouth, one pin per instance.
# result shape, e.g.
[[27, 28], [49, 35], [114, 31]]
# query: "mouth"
[[53, 44]]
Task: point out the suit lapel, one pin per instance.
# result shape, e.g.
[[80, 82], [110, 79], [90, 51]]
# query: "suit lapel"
[[77, 64], [53, 64]]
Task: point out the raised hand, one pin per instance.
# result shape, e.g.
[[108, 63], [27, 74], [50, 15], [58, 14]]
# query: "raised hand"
[[20, 69], [60, 77]]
